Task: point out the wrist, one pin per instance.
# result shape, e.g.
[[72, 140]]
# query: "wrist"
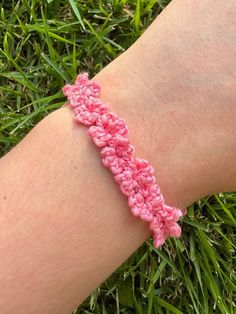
[[156, 134]]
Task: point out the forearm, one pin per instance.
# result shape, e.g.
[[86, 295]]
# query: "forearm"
[[60, 209], [63, 219]]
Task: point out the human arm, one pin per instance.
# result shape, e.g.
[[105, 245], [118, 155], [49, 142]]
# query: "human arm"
[[54, 188]]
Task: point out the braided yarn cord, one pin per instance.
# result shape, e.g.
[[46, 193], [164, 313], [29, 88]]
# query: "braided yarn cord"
[[135, 176]]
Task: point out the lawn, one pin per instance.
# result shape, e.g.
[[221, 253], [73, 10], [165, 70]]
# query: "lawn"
[[43, 44]]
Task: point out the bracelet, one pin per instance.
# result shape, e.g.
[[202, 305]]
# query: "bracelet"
[[134, 175]]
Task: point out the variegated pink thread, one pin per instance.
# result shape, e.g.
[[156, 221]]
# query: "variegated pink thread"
[[134, 175]]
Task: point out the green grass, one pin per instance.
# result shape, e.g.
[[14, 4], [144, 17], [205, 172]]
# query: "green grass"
[[42, 45]]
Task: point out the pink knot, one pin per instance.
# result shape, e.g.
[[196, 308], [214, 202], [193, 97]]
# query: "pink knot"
[[116, 165], [157, 223], [88, 111], [84, 116], [108, 153], [136, 199], [113, 124], [99, 135], [69, 89], [157, 226], [171, 214], [127, 184], [77, 100], [159, 238], [89, 88], [153, 198], [82, 79], [109, 129], [173, 230], [144, 172], [142, 212], [164, 223]]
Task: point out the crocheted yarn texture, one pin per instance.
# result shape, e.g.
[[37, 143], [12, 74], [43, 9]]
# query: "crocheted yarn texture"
[[134, 175]]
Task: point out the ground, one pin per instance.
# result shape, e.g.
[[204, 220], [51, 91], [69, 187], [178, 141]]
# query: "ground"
[[43, 44]]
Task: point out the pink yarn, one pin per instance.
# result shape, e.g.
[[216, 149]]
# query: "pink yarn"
[[134, 175]]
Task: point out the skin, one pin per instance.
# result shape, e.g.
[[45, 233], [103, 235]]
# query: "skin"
[[63, 219]]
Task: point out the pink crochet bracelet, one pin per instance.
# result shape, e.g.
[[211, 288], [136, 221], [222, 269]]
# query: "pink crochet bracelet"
[[134, 175]]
